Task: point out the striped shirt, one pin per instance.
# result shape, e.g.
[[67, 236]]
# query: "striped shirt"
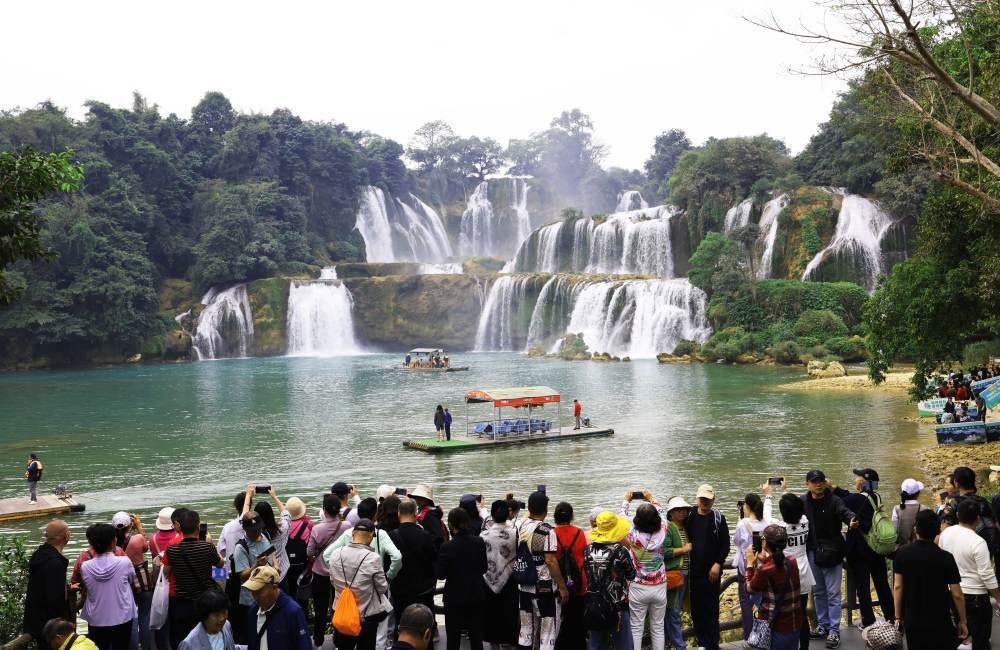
[[191, 561]]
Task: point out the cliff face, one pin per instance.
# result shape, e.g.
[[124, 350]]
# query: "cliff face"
[[400, 312]]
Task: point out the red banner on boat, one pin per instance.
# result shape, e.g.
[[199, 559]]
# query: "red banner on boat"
[[514, 397]]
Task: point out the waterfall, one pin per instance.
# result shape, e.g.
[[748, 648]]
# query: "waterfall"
[[550, 317], [496, 229], [855, 252], [328, 273], [450, 268], [320, 321], [225, 326], [500, 320], [738, 216], [639, 318], [630, 200], [769, 233], [395, 230], [633, 242]]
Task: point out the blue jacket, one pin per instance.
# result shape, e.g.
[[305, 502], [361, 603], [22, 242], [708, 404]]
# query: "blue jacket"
[[286, 628]]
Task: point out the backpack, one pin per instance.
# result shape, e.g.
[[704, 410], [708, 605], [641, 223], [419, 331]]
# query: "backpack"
[[568, 567], [295, 548], [600, 612], [346, 615], [987, 527], [881, 538], [525, 569]]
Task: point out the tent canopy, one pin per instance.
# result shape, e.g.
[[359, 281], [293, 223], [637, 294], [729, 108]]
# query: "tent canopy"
[[518, 396], [425, 350]]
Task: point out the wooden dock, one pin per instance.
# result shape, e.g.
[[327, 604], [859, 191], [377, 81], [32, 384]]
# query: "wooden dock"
[[435, 446], [48, 504]]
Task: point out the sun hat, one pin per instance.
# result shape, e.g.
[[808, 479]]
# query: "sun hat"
[[384, 492], [912, 486], [295, 508], [705, 491], [883, 636], [122, 520], [677, 502], [423, 491], [163, 521], [610, 528], [261, 577]]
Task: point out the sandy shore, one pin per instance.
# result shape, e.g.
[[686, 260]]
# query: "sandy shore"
[[894, 381], [939, 461]]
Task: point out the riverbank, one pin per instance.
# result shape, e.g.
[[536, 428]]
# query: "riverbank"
[[939, 461], [897, 382]]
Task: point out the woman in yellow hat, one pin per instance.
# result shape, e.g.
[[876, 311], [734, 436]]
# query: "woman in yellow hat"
[[609, 569]]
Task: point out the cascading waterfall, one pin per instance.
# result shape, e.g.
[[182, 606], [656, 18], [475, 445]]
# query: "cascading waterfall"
[[496, 230], [225, 326], [450, 268], [630, 200], [328, 273], [552, 311], [738, 216], [639, 318], [769, 233], [634, 242], [320, 319], [395, 230], [499, 322], [855, 252]]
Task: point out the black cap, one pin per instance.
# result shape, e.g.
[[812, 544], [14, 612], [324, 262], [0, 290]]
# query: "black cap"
[[815, 475], [365, 526], [538, 503], [340, 488], [252, 523], [867, 473]]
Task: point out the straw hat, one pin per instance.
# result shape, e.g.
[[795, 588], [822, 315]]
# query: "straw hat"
[[295, 508], [610, 528], [423, 491], [163, 519]]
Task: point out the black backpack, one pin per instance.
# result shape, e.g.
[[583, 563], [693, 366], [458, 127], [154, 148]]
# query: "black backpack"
[[568, 567], [525, 569], [600, 612], [295, 548], [987, 527]]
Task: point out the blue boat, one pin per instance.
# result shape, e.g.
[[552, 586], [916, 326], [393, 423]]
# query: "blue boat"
[[961, 433], [993, 431], [983, 383]]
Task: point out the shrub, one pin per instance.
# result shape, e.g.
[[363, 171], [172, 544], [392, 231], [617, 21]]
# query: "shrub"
[[820, 323], [786, 352], [976, 354], [777, 332], [686, 347], [13, 585], [848, 348]]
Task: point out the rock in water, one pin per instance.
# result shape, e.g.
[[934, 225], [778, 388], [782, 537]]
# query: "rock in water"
[[135, 358], [823, 369]]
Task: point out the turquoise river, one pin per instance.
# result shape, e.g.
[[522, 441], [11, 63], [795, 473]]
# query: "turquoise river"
[[139, 437]]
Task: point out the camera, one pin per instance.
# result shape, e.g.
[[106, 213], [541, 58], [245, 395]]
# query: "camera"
[[775, 480], [261, 489], [637, 495]]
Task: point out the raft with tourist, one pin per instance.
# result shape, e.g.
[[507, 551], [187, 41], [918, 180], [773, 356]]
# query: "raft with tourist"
[[430, 359], [502, 429]]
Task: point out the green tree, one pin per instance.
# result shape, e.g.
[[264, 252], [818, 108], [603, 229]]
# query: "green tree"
[[26, 176], [667, 150], [476, 157], [715, 255], [431, 144]]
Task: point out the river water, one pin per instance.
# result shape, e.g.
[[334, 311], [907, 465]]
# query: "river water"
[[140, 437]]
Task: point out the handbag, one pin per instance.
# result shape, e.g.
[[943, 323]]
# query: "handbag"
[[675, 579], [760, 633], [303, 586]]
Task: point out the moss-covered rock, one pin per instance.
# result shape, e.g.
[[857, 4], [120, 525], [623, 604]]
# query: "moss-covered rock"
[[176, 295], [376, 269], [269, 305], [483, 265]]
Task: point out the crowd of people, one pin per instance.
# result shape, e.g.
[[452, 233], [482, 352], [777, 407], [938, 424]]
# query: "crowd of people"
[[524, 573], [431, 361], [957, 388]]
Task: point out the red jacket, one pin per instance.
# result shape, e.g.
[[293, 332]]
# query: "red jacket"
[[577, 407]]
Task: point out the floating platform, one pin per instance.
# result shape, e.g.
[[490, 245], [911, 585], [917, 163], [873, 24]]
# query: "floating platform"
[[48, 504], [435, 446], [434, 369]]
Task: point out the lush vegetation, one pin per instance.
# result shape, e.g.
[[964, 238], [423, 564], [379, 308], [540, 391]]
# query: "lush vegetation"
[[13, 584]]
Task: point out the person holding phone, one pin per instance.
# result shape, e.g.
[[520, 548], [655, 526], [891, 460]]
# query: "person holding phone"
[[796, 525], [275, 528], [748, 529], [254, 550], [189, 563], [775, 577]]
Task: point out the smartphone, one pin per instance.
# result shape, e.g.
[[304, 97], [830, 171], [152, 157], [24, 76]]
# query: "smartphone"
[[401, 492], [202, 532], [266, 552], [262, 489], [758, 543], [541, 487], [637, 495], [775, 480]]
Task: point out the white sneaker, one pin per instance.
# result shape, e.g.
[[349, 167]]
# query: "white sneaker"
[[31, 501]]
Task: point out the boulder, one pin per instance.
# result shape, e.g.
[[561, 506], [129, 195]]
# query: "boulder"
[[135, 358], [824, 369]]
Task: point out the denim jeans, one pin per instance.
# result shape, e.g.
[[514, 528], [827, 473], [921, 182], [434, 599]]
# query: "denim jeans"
[[622, 637], [789, 641], [826, 593], [140, 625], [672, 619]]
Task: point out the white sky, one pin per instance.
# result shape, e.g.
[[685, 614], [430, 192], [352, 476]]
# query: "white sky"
[[501, 69]]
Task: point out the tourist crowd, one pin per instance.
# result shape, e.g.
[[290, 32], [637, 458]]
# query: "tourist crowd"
[[523, 573], [957, 389]]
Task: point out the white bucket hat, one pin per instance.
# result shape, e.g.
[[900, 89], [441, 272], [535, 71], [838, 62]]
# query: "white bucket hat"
[[163, 519], [912, 486], [677, 502], [384, 492]]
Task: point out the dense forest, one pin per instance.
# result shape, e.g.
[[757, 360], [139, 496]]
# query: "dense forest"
[[223, 196]]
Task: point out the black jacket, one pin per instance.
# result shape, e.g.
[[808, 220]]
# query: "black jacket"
[[439, 419], [863, 510], [416, 577], [46, 595], [461, 564], [709, 537], [286, 626], [826, 516]]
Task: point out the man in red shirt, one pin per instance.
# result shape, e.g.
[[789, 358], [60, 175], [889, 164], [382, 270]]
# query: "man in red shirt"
[[572, 542], [577, 408]]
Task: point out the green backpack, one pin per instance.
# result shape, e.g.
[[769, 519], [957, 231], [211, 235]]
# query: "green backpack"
[[882, 536]]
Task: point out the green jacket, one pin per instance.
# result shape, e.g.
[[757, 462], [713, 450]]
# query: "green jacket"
[[673, 540]]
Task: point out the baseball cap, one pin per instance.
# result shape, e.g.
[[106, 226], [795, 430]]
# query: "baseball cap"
[[252, 522], [365, 526], [384, 492], [121, 520], [261, 577], [340, 488], [815, 475], [469, 498], [705, 491], [912, 486], [867, 473], [883, 636]]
